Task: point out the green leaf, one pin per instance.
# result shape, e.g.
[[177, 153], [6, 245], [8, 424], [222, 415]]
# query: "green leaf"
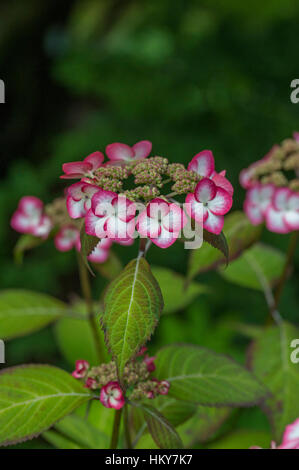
[[24, 243], [217, 241], [260, 261], [75, 338], [242, 439], [133, 303], [240, 235], [162, 432], [175, 411], [33, 398], [88, 244], [206, 423], [22, 312], [176, 296], [59, 441], [270, 359], [201, 376], [80, 431]]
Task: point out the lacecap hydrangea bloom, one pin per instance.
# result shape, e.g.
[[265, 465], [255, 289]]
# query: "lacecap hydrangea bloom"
[[110, 207], [137, 379], [130, 194], [272, 185]]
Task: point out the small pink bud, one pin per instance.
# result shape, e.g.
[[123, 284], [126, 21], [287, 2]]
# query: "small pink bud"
[[150, 363], [90, 383], [81, 369], [141, 351], [164, 387], [150, 394]]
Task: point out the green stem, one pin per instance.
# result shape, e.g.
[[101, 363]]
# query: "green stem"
[[127, 427], [86, 291], [115, 431], [289, 261]]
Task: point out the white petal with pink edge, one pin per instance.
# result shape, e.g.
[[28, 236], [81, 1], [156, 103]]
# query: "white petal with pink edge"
[[291, 436], [101, 202], [280, 198], [142, 149], [253, 213], [223, 183], [148, 226], [157, 208], [95, 159], [203, 163], [214, 223], [205, 190], [221, 203], [30, 204], [195, 209], [76, 209], [275, 221], [119, 151], [165, 239], [291, 219], [76, 168], [175, 220]]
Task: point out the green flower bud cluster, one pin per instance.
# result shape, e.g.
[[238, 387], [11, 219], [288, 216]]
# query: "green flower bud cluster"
[[150, 171], [282, 159], [134, 373], [57, 211]]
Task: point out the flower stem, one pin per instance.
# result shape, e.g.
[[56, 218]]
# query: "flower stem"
[[127, 427], [289, 261], [86, 291], [115, 430]]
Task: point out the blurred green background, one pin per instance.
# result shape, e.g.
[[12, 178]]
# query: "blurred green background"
[[188, 76]]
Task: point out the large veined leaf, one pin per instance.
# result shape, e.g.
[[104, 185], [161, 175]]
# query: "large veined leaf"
[[207, 423], [270, 359], [260, 261], [133, 303], [75, 338], [79, 432], [240, 234], [201, 376], [33, 398], [162, 432], [22, 312], [176, 295], [175, 411]]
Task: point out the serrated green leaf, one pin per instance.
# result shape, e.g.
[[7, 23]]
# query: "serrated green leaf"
[[176, 296], [162, 432], [270, 359], [24, 243], [33, 398], [88, 244], [240, 235], [201, 376], [133, 303], [75, 338], [23, 312], [259, 260]]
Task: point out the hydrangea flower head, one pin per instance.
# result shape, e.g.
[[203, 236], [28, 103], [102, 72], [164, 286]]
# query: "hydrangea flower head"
[[29, 217]]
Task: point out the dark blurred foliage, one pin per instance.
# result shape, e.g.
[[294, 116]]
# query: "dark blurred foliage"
[[186, 75]]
